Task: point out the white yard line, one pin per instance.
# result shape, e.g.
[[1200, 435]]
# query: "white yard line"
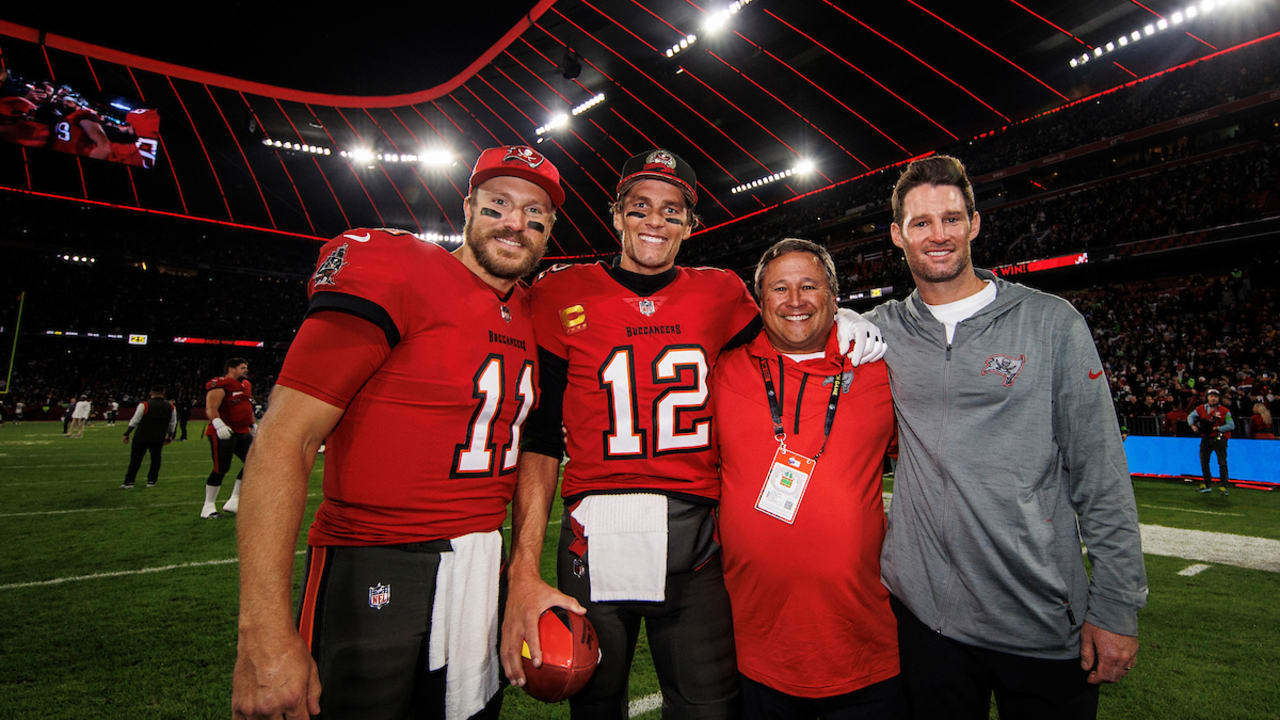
[[145, 571], [642, 705], [1193, 570], [105, 509], [118, 573], [1243, 551], [1190, 510]]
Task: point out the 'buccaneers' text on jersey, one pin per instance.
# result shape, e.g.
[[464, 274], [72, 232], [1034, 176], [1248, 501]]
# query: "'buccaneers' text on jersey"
[[427, 447], [636, 357]]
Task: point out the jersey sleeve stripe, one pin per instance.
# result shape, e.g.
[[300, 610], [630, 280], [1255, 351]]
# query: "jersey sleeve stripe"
[[358, 306]]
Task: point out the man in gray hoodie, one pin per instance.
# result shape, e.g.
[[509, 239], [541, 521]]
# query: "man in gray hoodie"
[[1009, 455]]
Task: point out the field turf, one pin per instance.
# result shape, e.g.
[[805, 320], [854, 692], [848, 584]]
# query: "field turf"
[[122, 604]]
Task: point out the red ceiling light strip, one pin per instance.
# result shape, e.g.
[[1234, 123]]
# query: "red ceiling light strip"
[[451, 122], [1152, 76], [383, 168], [904, 161], [467, 110], [287, 174], [414, 135], [815, 85], [526, 142], [270, 218], [323, 176], [651, 110], [182, 199], [381, 221], [128, 170], [352, 170], [164, 213], [560, 95], [986, 47], [612, 169], [795, 112], [412, 168], [862, 72], [1158, 15], [500, 142], [199, 76], [1066, 32], [705, 191], [203, 149], [84, 189], [624, 28], [608, 195], [712, 90], [918, 59], [826, 92], [664, 88]]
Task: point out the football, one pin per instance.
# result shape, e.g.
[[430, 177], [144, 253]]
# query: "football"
[[570, 653]]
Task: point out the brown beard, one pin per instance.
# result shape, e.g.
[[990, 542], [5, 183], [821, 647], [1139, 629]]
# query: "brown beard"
[[488, 259]]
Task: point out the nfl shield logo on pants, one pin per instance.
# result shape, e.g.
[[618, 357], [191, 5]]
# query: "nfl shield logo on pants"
[[379, 596]]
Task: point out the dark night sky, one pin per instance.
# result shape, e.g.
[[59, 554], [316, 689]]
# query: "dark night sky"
[[397, 49]]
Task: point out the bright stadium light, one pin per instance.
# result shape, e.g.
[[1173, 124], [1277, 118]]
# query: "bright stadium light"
[[716, 21], [361, 154], [805, 166], [436, 157]]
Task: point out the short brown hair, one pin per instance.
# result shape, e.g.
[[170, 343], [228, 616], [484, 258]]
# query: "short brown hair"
[[933, 170], [789, 245]]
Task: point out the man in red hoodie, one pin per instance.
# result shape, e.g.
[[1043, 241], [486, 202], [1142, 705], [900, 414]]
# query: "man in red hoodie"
[[801, 510]]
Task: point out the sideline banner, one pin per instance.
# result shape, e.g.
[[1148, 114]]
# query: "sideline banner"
[[1252, 460]]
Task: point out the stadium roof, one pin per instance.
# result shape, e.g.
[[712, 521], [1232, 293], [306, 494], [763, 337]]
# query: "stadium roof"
[[853, 87]]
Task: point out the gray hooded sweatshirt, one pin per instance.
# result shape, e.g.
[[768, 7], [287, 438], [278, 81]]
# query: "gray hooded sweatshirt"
[[1007, 437]]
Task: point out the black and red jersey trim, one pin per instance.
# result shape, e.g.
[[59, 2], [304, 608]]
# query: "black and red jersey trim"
[[358, 306]]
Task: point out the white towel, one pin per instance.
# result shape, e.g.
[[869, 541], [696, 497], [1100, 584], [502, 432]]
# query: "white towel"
[[626, 546], [465, 609]]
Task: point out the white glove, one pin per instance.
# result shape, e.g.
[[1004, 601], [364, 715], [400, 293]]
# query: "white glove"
[[254, 430], [858, 338], [224, 432]]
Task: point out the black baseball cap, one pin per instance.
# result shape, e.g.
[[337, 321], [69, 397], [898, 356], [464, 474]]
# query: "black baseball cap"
[[663, 165]]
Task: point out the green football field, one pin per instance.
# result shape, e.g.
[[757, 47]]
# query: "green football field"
[[122, 604]]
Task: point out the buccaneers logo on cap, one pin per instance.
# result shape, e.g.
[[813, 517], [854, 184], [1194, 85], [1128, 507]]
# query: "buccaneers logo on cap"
[[660, 158], [524, 154]]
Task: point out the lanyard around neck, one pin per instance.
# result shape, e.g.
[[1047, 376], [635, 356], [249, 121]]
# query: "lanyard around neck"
[[780, 433]]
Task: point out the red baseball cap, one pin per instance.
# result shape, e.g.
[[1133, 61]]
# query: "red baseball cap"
[[519, 161]]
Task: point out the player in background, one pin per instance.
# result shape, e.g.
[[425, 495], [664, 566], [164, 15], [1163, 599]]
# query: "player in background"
[[80, 130], [80, 416], [113, 412], [228, 404], [625, 348], [418, 368]]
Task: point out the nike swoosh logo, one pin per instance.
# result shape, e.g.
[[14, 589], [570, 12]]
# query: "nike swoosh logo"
[[358, 238], [1095, 375]]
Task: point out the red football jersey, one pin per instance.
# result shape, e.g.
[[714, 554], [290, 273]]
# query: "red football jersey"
[[635, 405], [236, 408], [69, 137], [427, 447]]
